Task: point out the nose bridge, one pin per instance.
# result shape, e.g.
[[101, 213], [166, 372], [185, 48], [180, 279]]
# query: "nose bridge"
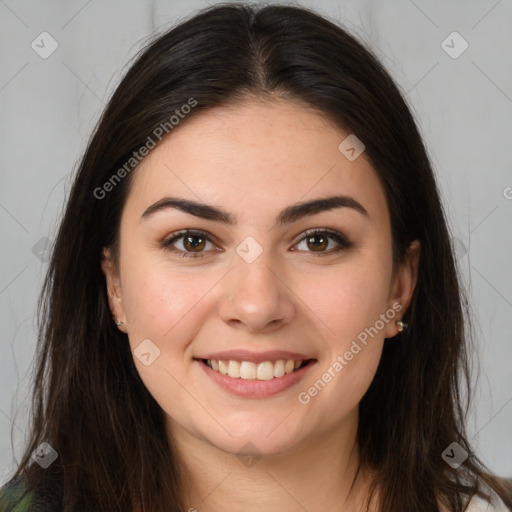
[[256, 295]]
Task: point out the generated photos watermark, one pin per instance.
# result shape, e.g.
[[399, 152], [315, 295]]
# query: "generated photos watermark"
[[137, 156], [304, 397]]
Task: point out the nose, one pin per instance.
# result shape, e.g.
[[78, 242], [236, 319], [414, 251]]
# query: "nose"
[[257, 296]]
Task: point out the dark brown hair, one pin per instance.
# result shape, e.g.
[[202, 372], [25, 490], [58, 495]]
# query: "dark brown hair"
[[89, 401]]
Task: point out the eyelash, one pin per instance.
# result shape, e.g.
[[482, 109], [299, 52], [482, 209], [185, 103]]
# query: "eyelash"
[[343, 242]]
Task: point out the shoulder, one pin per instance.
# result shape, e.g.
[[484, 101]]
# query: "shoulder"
[[493, 503], [488, 501]]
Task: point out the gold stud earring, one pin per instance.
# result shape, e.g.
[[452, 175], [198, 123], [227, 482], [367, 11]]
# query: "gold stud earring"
[[401, 326]]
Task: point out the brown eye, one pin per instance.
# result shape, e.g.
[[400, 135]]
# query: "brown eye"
[[317, 241], [193, 244]]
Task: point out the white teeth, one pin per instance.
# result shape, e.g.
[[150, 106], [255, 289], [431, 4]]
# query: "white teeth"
[[247, 370], [223, 367], [266, 370], [279, 368], [234, 369]]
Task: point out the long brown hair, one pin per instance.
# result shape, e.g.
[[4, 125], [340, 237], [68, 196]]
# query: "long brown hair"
[[89, 402]]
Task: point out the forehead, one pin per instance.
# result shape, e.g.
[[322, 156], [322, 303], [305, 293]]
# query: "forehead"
[[255, 157]]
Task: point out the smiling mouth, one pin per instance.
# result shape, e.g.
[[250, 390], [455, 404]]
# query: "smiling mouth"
[[266, 370]]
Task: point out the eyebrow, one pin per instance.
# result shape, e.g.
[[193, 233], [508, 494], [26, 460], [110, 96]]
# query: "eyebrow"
[[290, 214]]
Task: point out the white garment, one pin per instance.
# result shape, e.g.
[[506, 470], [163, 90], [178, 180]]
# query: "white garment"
[[495, 504]]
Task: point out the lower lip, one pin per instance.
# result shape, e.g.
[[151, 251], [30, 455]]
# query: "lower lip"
[[253, 388]]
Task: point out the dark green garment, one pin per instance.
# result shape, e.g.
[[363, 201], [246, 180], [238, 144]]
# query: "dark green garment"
[[12, 499], [46, 497]]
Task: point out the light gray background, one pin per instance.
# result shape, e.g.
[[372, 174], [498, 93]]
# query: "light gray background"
[[464, 108]]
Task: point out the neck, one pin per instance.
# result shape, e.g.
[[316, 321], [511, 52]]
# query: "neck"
[[315, 475]]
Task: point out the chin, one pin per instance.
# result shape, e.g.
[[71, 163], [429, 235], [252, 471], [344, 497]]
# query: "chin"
[[253, 440]]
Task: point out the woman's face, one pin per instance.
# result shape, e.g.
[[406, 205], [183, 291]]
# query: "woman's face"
[[258, 290]]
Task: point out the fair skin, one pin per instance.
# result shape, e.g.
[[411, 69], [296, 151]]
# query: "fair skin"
[[253, 160]]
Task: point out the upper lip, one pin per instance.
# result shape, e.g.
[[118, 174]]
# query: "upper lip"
[[255, 357]]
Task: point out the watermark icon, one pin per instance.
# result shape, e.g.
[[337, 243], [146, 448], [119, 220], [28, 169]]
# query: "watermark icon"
[[454, 455], [249, 250], [42, 249], [249, 455], [146, 352], [304, 397], [44, 455], [44, 45], [460, 249], [137, 156], [507, 192], [351, 147], [454, 45]]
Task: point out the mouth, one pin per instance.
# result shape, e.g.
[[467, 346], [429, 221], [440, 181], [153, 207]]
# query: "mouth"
[[265, 370], [249, 379]]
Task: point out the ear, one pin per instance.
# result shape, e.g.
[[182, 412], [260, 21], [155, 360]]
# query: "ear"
[[402, 287], [114, 289]]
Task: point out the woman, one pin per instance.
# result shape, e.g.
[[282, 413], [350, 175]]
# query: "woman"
[[252, 302]]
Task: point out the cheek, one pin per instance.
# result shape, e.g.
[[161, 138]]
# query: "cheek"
[[347, 299], [163, 306], [350, 304], [160, 299]]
